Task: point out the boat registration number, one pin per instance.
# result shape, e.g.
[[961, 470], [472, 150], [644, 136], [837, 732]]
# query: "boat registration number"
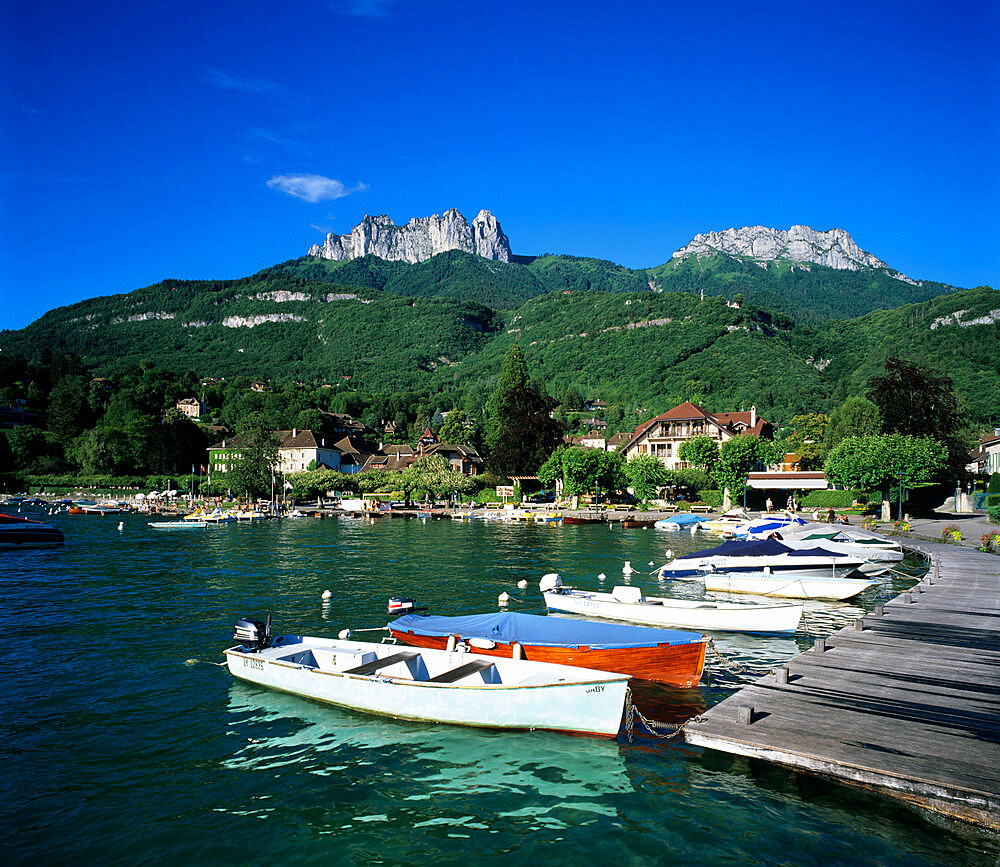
[[255, 664], [598, 688]]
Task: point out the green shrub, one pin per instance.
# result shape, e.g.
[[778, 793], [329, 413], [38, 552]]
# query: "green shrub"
[[832, 499], [993, 501], [486, 495], [994, 486], [994, 514], [711, 498]]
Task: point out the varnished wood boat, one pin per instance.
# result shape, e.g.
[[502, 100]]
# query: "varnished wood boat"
[[664, 655], [637, 524], [580, 519]]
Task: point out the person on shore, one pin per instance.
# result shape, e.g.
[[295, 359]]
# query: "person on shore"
[[831, 516], [769, 505]]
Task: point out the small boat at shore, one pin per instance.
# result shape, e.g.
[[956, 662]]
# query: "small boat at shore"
[[17, 533], [788, 586], [681, 521], [178, 525], [664, 655], [582, 519], [726, 521], [637, 523], [629, 603], [766, 556], [443, 686]]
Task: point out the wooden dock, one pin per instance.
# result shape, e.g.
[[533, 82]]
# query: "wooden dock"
[[906, 702]]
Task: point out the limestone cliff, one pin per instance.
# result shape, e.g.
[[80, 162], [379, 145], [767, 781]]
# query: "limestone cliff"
[[419, 239], [800, 244]]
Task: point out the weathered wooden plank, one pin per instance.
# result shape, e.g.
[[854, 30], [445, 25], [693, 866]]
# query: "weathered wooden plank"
[[909, 705]]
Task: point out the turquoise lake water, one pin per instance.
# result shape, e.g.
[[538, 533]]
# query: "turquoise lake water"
[[123, 743]]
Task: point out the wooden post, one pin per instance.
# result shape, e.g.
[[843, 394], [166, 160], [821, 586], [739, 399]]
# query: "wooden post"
[[744, 715], [820, 645], [878, 611], [907, 598], [781, 675], [859, 625]]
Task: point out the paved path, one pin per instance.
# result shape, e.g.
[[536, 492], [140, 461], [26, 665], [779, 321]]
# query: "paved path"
[[906, 703]]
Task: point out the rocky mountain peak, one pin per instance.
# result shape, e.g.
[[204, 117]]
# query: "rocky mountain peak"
[[419, 239], [800, 244]]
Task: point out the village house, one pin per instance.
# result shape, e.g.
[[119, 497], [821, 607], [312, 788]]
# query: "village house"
[[985, 458], [297, 449], [619, 441], [662, 436], [589, 440], [191, 407]]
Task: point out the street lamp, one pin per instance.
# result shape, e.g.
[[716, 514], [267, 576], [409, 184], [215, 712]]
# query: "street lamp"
[[899, 508]]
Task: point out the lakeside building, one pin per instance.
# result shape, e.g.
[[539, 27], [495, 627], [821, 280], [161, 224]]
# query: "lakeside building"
[[662, 436]]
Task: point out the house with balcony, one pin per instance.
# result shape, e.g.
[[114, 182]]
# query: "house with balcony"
[[663, 435]]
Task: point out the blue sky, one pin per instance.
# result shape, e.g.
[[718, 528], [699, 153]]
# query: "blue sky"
[[211, 140]]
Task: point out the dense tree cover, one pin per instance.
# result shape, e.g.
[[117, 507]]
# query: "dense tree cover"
[[389, 327], [583, 471], [855, 417], [646, 475], [455, 429], [810, 294], [913, 400], [700, 451], [880, 463], [808, 439], [737, 459], [252, 473], [520, 433]]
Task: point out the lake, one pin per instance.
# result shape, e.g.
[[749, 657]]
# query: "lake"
[[124, 742]]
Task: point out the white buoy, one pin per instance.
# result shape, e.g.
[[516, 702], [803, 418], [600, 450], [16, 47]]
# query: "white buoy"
[[522, 584], [503, 598], [627, 568], [670, 553], [327, 594], [121, 525], [694, 529], [344, 634], [601, 577], [651, 563]]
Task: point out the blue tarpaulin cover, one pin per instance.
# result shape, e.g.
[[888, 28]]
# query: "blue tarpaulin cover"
[[763, 548], [684, 518], [815, 552], [507, 626]]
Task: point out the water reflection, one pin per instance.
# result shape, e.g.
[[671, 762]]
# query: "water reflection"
[[281, 730]]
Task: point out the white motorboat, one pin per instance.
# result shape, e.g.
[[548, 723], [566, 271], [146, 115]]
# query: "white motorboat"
[[787, 586], [726, 521], [764, 527], [629, 604], [442, 686], [768, 555], [178, 525]]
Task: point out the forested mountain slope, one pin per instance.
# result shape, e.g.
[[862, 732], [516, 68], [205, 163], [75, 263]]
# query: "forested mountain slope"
[[583, 324]]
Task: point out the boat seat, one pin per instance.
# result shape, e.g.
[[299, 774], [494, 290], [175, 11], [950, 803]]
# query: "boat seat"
[[629, 595], [385, 661], [462, 671]]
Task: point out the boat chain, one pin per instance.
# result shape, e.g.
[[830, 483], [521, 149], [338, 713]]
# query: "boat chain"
[[653, 726], [726, 664]]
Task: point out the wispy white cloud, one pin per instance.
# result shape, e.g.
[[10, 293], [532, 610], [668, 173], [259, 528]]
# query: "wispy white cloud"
[[268, 135], [218, 78], [313, 188], [322, 228]]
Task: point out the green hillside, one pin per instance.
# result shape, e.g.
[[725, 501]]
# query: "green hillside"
[[809, 294], [587, 327]]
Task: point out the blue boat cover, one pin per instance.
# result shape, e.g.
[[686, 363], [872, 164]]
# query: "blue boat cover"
[[684, 518], [763, 548], [508, 626]]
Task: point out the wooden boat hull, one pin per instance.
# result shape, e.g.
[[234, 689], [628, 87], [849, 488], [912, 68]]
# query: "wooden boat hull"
[[756, 618], [637, 525], [509, 694], [787, 586], [576, 519], [677, 665]]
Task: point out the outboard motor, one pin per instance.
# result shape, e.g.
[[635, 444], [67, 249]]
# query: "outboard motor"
[[253, 634], [400, 605], [550, 583]]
